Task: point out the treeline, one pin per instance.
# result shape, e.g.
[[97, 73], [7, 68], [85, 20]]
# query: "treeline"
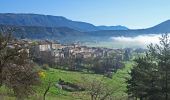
[[98, 65], [150, 77]]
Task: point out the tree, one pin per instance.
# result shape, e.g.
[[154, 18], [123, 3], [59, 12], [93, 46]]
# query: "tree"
[[162, 53], [98, 89], [47, 83], [143, 78], [16, 69], [150, 78], [88, 63], [71, 63], [127, 54], [103, 65]]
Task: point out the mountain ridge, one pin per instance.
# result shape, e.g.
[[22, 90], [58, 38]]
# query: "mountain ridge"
[[117, 27], [31, 19], [40, 30]]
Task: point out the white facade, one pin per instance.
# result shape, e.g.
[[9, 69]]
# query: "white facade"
[[45, 47]]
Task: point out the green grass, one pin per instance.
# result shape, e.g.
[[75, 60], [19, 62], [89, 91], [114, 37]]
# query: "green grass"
[[117, 82]]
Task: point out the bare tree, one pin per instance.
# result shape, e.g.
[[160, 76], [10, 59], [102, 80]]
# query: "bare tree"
[[50, 83], [98, 89]]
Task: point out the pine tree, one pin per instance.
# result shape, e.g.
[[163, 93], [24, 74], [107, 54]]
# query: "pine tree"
[[162, 54], [150, 77], [142, 78]]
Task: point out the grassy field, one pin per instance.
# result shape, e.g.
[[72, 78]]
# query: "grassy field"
[[117, 82]]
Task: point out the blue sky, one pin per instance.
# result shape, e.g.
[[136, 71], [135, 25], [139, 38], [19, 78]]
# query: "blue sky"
[[131, 13]]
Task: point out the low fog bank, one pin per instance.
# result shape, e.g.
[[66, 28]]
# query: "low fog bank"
[[140, 41]]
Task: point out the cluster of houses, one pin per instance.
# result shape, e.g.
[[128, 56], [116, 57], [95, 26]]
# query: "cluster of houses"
[[57, 50], [52, 50], [45, 49]]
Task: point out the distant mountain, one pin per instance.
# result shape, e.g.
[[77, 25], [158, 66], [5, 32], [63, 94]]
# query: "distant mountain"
[[119, 27], [162, 27], [36, 26], [40, 32], [51, 21], [44, 20]]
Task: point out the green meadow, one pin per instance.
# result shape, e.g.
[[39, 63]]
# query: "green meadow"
[[117, 82]]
